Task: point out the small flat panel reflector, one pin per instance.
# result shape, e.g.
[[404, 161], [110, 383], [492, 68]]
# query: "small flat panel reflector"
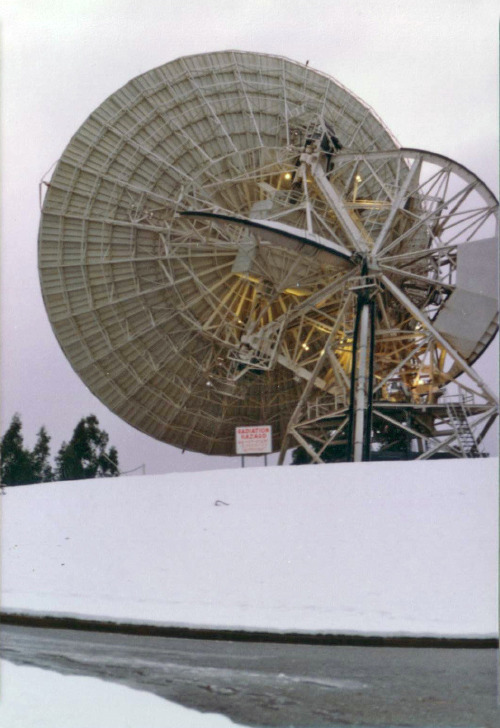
[[464, 319], [254, 440], [477, 267]]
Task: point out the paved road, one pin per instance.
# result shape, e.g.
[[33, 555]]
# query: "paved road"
[[277, 684]]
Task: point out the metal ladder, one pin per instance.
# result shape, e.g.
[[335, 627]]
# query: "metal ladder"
[[457, 415]]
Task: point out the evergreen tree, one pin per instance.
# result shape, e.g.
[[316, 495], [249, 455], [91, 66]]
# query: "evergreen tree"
[[40, 458], [17, 462], [85, 455]]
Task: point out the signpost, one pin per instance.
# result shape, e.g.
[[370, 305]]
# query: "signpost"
[[255, 440]]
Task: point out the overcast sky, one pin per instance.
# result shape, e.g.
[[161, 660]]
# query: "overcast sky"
[[428, 69]]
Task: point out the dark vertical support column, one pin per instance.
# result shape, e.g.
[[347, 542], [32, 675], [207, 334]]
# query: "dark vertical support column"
[[369, 409], [361, 394], [350, 422]]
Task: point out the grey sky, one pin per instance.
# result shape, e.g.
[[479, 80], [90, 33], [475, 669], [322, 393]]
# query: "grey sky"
[[428, 69]]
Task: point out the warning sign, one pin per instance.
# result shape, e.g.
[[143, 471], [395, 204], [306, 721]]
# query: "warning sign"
[[254, 440]]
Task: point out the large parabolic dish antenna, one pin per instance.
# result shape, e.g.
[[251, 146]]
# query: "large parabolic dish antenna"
[[235, 239]]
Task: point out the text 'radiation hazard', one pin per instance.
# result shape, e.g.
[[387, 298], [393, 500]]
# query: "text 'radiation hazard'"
[[253, 440]]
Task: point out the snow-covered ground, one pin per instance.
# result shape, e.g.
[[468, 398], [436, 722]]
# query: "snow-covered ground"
[[34, 698], [373, 548]]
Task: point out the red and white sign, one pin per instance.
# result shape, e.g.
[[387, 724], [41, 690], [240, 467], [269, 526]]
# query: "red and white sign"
[[254, 440]]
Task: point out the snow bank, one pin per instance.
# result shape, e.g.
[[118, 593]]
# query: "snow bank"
[[35, 698], [370, 548]]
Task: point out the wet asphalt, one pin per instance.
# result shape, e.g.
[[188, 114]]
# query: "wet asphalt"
[[262, 684]]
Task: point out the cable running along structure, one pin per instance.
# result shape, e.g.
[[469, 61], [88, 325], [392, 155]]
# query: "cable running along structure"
[[235, 239]]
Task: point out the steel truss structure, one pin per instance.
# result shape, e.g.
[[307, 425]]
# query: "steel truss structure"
[[235, 239]]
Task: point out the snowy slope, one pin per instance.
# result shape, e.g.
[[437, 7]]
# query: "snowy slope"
[[374, 548]]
